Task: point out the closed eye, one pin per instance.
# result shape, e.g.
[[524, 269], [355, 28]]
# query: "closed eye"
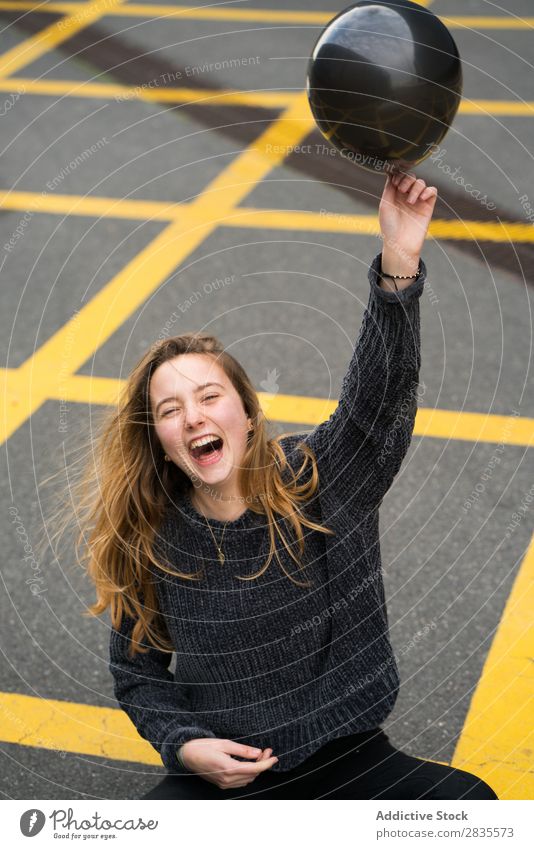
[[173, 409]]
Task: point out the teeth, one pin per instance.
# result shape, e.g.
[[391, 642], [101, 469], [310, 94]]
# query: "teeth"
[[203, 441]]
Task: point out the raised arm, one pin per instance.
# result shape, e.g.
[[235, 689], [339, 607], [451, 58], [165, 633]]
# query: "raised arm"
[[360, 448], [147, 692]]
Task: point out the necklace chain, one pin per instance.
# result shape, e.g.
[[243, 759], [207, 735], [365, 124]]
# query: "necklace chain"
[[219, 550], [217, 546]]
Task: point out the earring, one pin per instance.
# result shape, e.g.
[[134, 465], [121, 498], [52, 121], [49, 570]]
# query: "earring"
[[167, 458]]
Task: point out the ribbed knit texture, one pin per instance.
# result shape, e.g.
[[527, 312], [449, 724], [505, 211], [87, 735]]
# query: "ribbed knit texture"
[[265, 662]]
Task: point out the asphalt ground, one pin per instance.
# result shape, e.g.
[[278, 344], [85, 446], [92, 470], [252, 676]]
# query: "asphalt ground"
[[298, 287]]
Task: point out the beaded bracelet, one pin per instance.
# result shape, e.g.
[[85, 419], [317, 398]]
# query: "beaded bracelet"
[[401, 277]]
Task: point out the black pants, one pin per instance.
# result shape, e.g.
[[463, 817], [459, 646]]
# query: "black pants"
[[359, 766]]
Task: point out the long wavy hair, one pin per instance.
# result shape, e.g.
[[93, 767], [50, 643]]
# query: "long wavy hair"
[[125, 486]]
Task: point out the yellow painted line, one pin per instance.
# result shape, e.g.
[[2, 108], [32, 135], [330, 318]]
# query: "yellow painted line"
[[67, 350], [300, 409], [156, 94], [77, 340], [478, 22], [289, 16], [82, 389], [333, 222], [63, 726], [486, 108], [52, 36], [474, 427], [229, 187], [71, 727], [98, 207], [304, 409], [219, 97], [197, 13], [250, 217], [497, 740]]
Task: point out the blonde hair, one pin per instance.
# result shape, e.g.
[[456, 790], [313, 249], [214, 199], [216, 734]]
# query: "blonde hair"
[[121, 496]]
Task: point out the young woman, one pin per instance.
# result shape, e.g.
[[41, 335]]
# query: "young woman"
[[256, 560]]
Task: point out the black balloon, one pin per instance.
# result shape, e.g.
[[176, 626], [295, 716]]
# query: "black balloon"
[[384, 83]]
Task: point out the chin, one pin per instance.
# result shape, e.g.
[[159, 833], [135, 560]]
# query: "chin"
[[213, 477]]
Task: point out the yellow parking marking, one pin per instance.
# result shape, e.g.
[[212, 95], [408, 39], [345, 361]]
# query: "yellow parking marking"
[[158, 93], [496, 107], [273, 16], [304, 409], [33, 48], [71, 727], [82, 389], [298, 409], [70, 346], [98, 207], [478, 22], [335, 222], [198, 13], [216, 97], [195, 13], [497, 739], [474, 427], [81, 336], [327, 221]]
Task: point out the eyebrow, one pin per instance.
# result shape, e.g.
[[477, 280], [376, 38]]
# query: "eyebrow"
[[198, 389]]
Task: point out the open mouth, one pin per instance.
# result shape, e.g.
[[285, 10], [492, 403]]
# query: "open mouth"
[[208, 453]]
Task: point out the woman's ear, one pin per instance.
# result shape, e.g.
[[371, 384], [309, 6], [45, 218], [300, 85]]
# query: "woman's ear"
[[250, 427]]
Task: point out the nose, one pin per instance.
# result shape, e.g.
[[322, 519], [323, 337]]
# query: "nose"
[[193, 415]]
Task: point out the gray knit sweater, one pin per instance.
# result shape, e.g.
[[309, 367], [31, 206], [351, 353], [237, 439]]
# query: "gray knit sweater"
[[265, 662]]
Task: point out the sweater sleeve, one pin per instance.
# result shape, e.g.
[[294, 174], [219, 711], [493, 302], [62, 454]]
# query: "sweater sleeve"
[[146, 690], [360, 448]]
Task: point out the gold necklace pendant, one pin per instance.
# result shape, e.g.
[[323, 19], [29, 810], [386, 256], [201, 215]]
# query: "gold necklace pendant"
[[220, 555]]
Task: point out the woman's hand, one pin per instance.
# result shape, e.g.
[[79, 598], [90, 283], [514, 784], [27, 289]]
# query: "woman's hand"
[[404, 215], [211, 758]]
